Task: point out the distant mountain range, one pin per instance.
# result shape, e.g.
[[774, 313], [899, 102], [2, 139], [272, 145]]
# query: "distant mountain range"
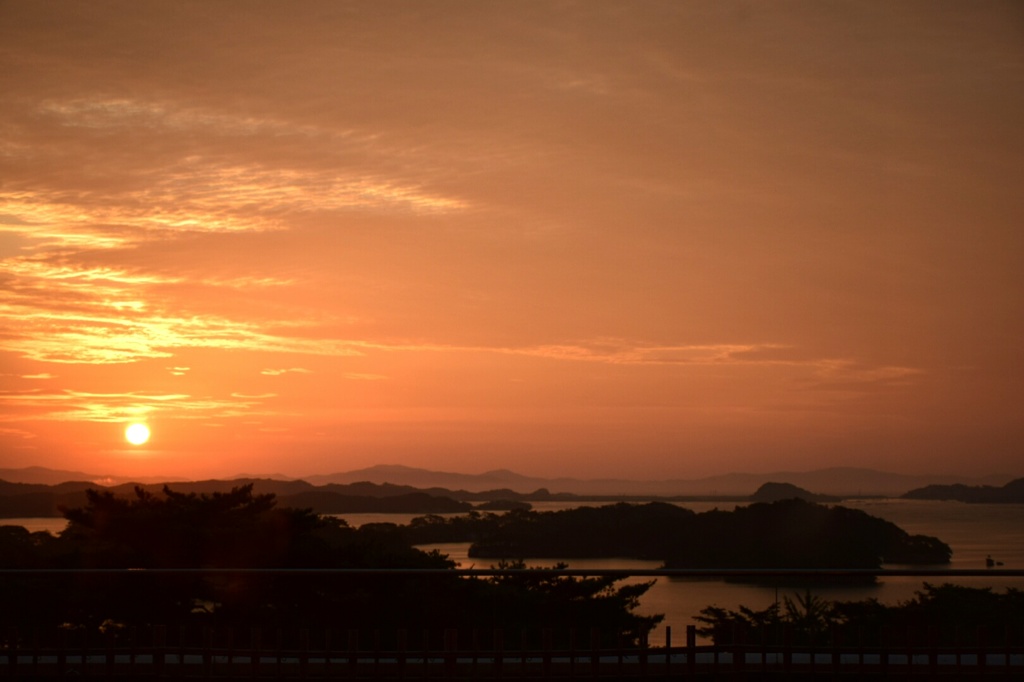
[[836, 481]]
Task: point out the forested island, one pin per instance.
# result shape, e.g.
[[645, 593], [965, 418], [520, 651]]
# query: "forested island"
[[790, 533]]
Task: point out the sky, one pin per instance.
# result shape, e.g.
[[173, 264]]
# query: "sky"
[[642, 240]]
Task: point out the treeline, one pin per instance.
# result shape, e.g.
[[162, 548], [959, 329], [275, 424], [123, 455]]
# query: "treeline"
[[243, 530], [785, 534], [943, 615]]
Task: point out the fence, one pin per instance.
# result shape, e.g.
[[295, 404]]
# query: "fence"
[[183, 652]]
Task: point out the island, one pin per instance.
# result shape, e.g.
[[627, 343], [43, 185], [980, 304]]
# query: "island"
[[1011, 493], [790, 533]]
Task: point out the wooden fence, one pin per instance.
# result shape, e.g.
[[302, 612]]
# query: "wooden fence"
[[207, 653]]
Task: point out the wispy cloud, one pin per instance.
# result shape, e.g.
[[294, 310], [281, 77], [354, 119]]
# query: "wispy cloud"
[[279, 372], [68, 405], [180, 191]]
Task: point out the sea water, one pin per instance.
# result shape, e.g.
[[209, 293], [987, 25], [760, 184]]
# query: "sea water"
[[973, 531]]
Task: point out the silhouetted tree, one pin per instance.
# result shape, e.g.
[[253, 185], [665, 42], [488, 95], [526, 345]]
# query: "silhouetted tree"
[[950, 613], [240, 530]]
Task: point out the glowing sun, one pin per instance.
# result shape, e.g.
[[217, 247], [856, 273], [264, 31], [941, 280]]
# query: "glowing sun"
[[137, 434]]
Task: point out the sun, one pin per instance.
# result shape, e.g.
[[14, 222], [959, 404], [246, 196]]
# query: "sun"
[[137, 433]]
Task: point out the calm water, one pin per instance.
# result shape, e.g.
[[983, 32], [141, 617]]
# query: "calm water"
[[973, 531]]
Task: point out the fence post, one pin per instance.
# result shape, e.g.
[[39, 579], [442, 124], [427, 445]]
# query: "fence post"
[[402, 646], [255, 645], [982, 636], [450, 645], [328, 651], [353, 648], [883, 648], [643, 654], [910, 636], [933, 651], [303, 653], [476, 652], [376, 652], [619, 650], [787, 647], [691, 649], [546, 643], [12, 651], [837, 642], [107, 650], [860, 648], [1007, 644], [595, 652], [425, 642], [62, 657], [279, 653], [739, 655], [229, 644], [668, 650], [182, 639], [208, 642], [133, 642], [523, 636], [159, 635], [85, 652], [572, 653], [499, 651]]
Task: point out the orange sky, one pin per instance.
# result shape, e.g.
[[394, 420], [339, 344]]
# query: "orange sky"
[[644, 240]]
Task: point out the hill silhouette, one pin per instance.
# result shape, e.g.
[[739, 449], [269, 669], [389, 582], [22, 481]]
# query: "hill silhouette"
[[1011, 493], [38, 500], [773, 492]]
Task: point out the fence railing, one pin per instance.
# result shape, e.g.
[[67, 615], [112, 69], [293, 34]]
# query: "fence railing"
[[449, 654], [539, 653]]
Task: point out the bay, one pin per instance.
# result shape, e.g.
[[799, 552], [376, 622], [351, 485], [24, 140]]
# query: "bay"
[[973, 531]]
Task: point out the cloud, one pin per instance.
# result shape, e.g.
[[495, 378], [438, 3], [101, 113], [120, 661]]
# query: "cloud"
[[17, 433], [68, 405], [279, 372], [175, 186], [63, 312], [848, 375]]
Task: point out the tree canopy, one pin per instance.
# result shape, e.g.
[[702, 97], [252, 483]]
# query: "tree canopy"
[[240, 530]]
